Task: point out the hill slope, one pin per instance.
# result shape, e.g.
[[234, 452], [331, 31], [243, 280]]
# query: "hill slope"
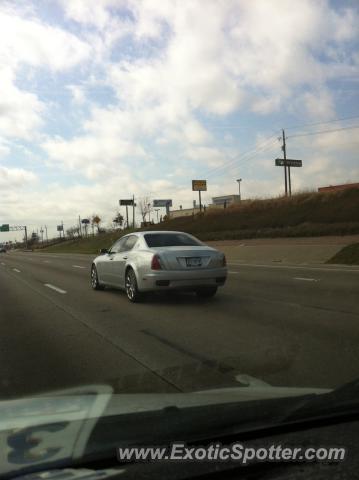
[[307, 214]]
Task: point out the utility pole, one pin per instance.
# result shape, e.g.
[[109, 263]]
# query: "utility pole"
[[133, 211], [287, 179], [80, 227], [157, 210], [127, 225], [239, 187], [46, 234]]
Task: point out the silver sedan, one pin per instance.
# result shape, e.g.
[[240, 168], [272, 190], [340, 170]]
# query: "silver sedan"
[[157, 260]]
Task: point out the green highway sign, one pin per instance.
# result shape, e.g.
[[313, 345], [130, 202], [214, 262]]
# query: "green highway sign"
[[280, 162], [5, 227]]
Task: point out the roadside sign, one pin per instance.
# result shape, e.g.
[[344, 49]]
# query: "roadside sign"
[[60, 228], [280, 162], [5, 227], [85, 221], [126, 202], [162, 203], [199, 185]]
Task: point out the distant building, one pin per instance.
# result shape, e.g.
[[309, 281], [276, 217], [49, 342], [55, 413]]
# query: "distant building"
[[334, 188], [226, 200]]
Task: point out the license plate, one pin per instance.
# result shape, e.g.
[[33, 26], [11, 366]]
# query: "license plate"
[[194, 262]]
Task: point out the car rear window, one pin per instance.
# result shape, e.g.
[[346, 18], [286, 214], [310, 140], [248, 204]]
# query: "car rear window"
[[170, 240]]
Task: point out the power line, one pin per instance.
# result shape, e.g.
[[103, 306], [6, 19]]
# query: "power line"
[[248, 158], [323, 131], [240, 157], [322, 123]]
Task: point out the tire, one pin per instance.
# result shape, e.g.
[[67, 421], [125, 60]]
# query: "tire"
[[206, 292], [95, 284], [131, 287]]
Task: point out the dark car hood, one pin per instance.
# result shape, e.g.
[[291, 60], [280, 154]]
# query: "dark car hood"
[[65, 426]]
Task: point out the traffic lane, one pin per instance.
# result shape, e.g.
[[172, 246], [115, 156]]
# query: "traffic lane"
[[43, 347], [247, 289], [332, 290], [282, 343], [277, 341], [91, 312], [319, 287], [70, 260]]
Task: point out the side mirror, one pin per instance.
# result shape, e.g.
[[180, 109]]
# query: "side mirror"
[[103, 251]]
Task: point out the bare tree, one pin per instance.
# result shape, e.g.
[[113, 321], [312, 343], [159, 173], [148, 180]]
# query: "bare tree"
[[95, 221], [118, 220], [73, 232], [145, 207]]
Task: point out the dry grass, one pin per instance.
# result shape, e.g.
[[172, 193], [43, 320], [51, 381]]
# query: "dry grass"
[[308, 213], [302, 215]]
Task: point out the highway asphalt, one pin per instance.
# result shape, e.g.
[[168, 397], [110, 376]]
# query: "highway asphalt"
[[288, 325]]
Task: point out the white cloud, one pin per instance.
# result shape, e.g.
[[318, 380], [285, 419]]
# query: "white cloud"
[[92, 156], [78, 94], [20, 111], [174, 66], [90, 12], [14, 178], [4, 148], [27, 40], [319, 105]]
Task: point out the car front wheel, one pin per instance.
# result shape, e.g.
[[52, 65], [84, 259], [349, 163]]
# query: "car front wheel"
[[131, 287], [206, 292], [95, 284]]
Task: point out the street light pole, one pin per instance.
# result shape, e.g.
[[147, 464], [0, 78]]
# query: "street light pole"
[[239, 187]]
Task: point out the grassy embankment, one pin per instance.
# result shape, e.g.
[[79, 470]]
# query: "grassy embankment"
[[305, 214], [348, 255]]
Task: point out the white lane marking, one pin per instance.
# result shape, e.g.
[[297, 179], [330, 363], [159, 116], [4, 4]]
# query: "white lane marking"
[[47, 261], [2, 263], [297, 267], [58, 290], [78, 266], [304, 279], [17, 270], [232, 271]]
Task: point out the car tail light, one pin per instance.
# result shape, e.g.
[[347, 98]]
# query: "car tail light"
[[224, 261], [155, 263]]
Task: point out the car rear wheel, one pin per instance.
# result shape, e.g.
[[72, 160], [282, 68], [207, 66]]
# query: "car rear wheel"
[[131, 287], [206, 292], [95, 284]]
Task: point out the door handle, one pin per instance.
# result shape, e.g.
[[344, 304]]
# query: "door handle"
[[125, 257]]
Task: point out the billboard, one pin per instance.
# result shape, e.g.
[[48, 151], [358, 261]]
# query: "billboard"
[[199, 185], [126, 202], [162, 203]]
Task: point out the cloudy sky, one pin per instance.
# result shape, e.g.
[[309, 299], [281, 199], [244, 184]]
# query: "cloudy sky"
[[102, 99]]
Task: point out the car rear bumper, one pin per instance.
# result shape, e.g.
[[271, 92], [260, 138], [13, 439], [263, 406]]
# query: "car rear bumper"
[[182, 280]]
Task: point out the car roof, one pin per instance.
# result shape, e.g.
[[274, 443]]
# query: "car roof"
[[143, 233], [159, 232]]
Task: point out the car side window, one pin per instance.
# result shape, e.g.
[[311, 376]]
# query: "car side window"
[[130, 242], [118, 246]]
